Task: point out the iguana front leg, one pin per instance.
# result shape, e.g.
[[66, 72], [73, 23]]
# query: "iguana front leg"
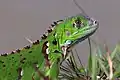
[[53, 72], [38, 75], [50, 72]]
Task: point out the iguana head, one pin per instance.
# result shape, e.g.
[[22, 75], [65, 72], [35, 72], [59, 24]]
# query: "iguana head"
[[76, 29]]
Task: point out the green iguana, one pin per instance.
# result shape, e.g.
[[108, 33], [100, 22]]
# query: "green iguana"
[[41, 61]]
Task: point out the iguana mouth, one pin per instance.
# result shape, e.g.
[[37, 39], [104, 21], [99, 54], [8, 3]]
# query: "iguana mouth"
[[81, 39]]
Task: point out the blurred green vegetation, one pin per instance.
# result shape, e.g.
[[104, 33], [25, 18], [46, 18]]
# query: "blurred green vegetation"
[[103, 64]]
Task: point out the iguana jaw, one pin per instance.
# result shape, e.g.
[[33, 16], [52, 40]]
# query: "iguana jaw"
[[82, 38]]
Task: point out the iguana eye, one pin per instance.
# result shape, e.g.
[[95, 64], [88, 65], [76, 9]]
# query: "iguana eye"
[[95, 22], [77, 23]]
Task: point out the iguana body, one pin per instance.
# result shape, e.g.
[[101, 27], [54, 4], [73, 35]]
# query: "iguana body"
[[41, 60]]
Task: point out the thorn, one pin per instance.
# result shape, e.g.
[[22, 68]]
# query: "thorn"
[[27, 47], [4, 54], [29, 40], [46, 33], [44, 36], [49, 30], [36, 42], [52, 25], [12, 52], [59, 21], [55, 23], [18, 50]]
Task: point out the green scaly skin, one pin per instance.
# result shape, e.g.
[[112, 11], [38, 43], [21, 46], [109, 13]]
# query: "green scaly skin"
[[41, 61]]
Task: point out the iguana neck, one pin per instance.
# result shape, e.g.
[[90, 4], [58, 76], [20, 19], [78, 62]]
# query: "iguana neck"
[[51, 48]]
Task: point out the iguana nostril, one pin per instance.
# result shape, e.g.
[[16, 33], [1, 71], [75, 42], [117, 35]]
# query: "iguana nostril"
[[95, 22]]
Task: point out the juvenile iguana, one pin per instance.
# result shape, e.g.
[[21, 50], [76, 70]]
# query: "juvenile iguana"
[[41, 60]]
